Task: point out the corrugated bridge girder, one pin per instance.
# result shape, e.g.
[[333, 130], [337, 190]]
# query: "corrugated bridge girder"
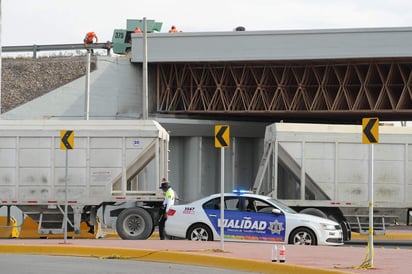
[[345, 90]]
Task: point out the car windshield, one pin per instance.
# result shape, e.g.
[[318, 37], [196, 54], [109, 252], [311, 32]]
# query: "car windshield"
[[282, 206]]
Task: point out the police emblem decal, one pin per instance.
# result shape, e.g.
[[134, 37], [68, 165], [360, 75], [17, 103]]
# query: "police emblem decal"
[[276, 227]]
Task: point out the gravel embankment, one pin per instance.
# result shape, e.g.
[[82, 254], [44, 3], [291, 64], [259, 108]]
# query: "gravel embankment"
[[24, 79]]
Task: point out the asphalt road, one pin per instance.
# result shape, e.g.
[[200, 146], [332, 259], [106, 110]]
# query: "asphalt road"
[[36, 264]]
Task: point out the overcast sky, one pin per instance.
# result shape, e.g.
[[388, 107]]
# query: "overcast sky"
[[27, 22]]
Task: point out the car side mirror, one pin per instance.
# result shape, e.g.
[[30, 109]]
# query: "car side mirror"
[[276, 211]]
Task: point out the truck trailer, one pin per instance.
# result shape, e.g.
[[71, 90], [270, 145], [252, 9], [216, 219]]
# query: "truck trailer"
[[323, 170], [112, 167]]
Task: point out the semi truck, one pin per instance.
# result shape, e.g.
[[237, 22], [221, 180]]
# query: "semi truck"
[[61, 173], [323, 170], [122, 40]]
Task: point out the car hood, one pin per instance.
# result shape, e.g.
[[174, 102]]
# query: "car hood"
[[313, 218]]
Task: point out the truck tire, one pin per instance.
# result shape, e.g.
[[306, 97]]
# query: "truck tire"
[[347, 231], [134, 224]]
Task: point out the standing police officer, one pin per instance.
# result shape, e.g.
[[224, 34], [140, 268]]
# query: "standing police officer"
[[168, 201]]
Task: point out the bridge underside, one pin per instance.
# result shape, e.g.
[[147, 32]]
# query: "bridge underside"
[[328, 90]]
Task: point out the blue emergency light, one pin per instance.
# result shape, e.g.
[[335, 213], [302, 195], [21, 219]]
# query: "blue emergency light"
[[241, 191]]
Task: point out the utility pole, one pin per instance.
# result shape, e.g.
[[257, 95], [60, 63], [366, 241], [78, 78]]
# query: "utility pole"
[[144, 76], [1, 56], [87, 89]]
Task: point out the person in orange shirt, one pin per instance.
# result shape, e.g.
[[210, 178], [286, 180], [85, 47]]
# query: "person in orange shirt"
[[137, 30], [89, 39], [173, 29]]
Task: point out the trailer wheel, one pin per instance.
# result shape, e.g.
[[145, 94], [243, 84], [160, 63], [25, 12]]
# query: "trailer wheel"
[[347, 231], [333, 218], [134, 224], [302, 236]]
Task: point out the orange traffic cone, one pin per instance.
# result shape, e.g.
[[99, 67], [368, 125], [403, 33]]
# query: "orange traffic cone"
[[14, 230], [282, 254]]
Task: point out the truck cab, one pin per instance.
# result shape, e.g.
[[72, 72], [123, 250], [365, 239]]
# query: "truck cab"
[[122, 39]]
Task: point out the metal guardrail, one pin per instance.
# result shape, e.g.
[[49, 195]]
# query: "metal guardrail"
[[36, 48]]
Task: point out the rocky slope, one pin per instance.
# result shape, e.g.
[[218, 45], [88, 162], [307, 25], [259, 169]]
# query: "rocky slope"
[[24, 79]]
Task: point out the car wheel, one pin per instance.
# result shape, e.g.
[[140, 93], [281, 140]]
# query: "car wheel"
[[199, 232], [302, 236]]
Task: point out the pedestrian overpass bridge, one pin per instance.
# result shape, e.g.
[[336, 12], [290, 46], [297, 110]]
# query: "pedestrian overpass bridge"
[[335, 75]]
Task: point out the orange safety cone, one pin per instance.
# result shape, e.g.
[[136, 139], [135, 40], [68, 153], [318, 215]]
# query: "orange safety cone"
[[282, 254], [14, 230]]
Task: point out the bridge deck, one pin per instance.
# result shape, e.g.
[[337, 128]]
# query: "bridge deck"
[[274, 45], [318, 75]]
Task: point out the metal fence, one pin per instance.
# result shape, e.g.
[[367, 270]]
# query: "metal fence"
[[37, 48]]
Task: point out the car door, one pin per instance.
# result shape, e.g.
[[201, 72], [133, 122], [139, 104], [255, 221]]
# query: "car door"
[[248, 218], [212, 210]]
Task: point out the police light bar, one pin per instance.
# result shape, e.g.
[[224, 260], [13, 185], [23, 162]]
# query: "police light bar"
[[241, 191]]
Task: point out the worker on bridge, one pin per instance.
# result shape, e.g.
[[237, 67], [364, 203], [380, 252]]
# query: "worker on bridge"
[[137, 30], [89, 39], [174, 29]]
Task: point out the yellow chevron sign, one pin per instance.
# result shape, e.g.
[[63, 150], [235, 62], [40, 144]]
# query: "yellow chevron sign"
[[66, 139], [370, 130], [222, 136]]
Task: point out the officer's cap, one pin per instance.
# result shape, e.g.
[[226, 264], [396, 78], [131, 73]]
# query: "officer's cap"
[[164, 185]]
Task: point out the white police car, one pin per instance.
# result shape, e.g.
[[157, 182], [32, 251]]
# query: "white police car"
[[250, 217]]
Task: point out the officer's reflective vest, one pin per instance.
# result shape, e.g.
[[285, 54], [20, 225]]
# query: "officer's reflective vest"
[[169, 199]]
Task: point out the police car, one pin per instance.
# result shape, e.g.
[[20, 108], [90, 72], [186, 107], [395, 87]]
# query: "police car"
[[250, 217]]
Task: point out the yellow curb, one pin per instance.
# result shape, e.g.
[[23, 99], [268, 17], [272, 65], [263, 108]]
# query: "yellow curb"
[[392, 236], [164, 256]]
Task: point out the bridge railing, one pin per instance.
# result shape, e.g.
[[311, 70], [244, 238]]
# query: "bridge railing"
[[58, 47]]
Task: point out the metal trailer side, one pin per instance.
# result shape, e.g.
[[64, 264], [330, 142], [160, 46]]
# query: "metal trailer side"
[[323, 170], [112, 163]]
